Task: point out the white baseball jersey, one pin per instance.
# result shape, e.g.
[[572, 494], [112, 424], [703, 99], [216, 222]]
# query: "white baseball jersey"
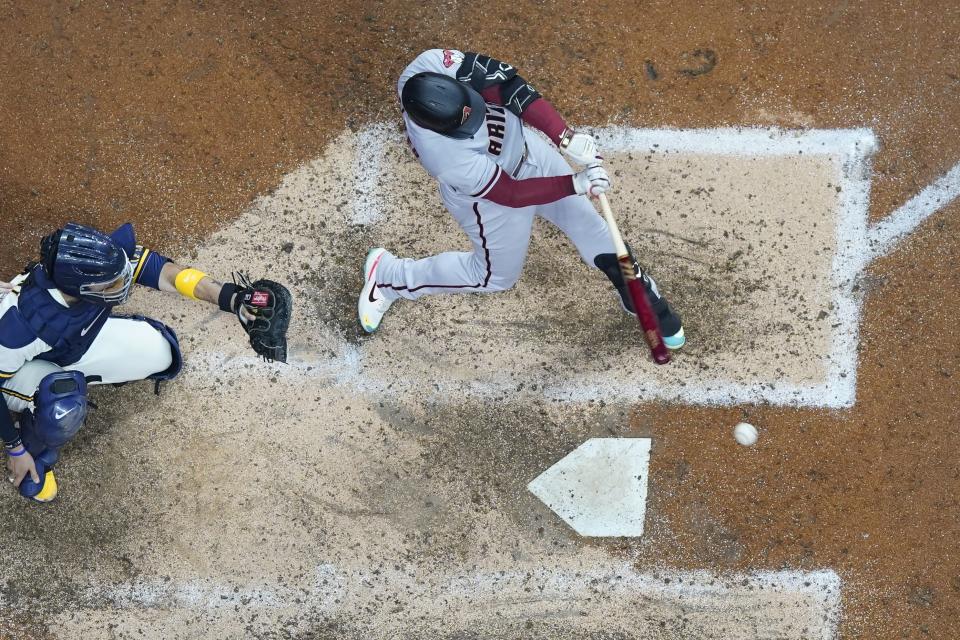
[[471, 166], [466, 170]]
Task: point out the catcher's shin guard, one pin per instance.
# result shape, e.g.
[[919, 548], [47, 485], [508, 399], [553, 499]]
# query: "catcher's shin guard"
[[670, 324], [60, 410]]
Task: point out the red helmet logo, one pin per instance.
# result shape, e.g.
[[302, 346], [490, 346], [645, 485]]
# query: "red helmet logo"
[[466, 114]]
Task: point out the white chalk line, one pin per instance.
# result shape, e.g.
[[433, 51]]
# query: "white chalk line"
[[368, 167], [747, 141], [853, 209], [346, 370], [884, 236], [334, 590]]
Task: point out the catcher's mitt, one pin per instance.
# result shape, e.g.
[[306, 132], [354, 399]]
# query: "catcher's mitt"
[[270, 304]]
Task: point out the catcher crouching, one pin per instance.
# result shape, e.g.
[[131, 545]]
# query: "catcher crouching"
[[59, 333]]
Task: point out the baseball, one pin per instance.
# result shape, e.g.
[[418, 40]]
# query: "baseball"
[[745, 433]]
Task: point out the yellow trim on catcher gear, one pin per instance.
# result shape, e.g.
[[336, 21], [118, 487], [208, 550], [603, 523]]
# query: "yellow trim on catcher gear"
[[19, 396], [141, 262], [49, 491], [187, 281], [4, 374]]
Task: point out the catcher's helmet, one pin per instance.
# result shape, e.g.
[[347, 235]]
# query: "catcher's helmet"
[[87, 264], [443, 104]]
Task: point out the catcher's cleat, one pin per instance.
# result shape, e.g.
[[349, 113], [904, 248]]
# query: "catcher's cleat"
[[43, 491], [49, 490], [372, 305], [46, 489]]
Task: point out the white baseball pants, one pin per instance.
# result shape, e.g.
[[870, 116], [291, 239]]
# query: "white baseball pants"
[[500, 236], [125, 350]]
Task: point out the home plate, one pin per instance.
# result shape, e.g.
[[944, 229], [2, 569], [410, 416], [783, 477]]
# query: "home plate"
[[600, 489]]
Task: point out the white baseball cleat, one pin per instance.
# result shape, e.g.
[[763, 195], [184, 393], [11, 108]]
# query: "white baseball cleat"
[[372, 305]]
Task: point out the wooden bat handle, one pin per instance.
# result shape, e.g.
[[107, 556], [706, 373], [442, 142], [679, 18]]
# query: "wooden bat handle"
[[618, 246]]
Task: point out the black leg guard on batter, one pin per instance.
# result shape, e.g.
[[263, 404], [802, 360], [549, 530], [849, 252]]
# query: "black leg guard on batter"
[[670, 322]]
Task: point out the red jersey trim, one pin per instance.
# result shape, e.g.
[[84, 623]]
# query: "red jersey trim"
[[489, 185]]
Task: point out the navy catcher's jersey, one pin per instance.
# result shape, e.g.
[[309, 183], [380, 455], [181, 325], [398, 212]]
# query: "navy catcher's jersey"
[[37, 322]]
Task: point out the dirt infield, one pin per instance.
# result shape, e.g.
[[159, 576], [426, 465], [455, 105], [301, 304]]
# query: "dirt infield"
[[193, 119]]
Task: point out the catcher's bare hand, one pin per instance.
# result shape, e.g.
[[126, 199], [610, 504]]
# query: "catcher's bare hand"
[[245, 316], [20, 466]]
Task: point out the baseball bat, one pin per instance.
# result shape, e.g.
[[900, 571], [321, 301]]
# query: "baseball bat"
[[648, 321]]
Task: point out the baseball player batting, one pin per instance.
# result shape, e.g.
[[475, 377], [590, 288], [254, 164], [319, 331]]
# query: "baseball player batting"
[[464, 115], [59, 333]]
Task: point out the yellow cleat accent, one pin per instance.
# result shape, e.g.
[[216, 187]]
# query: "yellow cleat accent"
[[49, 491]]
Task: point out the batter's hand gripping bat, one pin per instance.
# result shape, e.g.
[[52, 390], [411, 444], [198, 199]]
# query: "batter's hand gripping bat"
[[648, 321]]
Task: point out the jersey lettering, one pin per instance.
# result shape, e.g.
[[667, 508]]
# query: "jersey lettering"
[[465, 166], [496, 129]]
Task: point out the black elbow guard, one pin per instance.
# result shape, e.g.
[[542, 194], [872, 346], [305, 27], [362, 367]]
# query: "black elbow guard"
[[517, 95], [481, 72]]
